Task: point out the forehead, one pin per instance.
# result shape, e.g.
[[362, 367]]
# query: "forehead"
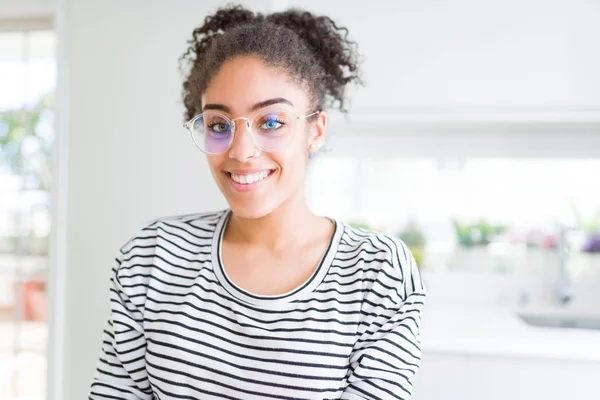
[[244, 81]]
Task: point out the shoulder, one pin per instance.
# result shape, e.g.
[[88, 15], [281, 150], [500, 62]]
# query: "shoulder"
[[165, 239], [192, 229], [156, 246], [369, 244], [384, 257]]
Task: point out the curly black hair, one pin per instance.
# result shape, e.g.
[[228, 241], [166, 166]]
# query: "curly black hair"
[[313, 50]]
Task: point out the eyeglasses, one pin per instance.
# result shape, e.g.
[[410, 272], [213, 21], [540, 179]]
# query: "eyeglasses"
[[271, 129]]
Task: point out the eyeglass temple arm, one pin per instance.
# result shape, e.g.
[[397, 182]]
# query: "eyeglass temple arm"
[[309, 115]]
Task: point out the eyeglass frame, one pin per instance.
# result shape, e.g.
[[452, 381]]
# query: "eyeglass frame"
[[188, 125]]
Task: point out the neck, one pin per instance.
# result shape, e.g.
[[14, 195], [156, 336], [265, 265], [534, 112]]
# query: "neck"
[[291, 222]]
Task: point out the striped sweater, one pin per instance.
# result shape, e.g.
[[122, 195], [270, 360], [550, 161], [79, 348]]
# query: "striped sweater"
[[179, 328]]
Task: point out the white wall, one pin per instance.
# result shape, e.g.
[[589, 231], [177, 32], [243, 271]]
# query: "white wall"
[[123, 158]]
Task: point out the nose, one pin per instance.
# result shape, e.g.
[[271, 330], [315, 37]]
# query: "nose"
[[243, 146]]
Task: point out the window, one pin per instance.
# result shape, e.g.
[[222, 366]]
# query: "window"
[[27, 82], [499, 215]]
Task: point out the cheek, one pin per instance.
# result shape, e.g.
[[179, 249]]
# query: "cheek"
[[214, 163], [293, 162], [211, 162]]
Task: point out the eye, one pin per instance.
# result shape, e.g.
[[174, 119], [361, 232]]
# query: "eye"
[[218, 127], [272, 124]]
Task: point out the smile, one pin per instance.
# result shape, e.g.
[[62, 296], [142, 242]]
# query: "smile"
[[250, 178], [246, 182]]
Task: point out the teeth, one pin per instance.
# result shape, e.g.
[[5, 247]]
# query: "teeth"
[[251, 178]]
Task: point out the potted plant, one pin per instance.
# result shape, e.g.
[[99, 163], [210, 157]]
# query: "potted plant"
[[587, 260], [472, 240], [542, 246], [31, 294]]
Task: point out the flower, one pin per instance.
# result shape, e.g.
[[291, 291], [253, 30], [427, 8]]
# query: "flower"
[[592, 243]]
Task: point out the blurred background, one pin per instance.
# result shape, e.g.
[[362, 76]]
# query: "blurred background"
[[476, 140]]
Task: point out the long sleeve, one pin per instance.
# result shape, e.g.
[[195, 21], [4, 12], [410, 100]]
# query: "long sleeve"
[[121, 368], [387, 353]]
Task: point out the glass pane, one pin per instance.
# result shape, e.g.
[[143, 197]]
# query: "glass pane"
[[12, 71], [41, 65], [28, 79], [501, 215], [16, 373]]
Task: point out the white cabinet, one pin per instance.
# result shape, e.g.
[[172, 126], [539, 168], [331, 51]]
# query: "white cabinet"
[[467, 54], [442, 376], [475, 377]]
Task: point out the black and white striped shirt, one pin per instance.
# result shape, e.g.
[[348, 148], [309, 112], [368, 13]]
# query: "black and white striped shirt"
[[179, 328]]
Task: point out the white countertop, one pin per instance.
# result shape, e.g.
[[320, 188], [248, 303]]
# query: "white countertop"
[[479, 326], [500, 332]]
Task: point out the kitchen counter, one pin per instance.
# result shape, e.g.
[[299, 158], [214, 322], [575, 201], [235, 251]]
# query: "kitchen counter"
[[500, 332], [479, 324]]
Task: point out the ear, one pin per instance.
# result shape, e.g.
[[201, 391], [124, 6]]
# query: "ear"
[[316, 135]]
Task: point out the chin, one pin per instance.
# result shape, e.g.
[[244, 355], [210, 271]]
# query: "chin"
[[250, 209], [254, 201]]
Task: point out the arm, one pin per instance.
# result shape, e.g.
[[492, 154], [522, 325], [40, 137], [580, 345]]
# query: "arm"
[[387, 353], [121, 368]]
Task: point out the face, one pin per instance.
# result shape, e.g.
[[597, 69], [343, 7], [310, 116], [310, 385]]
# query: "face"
[[255, 182]]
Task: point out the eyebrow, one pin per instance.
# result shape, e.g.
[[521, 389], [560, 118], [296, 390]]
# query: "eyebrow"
[[257, 106]]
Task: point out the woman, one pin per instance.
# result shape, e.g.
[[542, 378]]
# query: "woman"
[[264, 299]]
